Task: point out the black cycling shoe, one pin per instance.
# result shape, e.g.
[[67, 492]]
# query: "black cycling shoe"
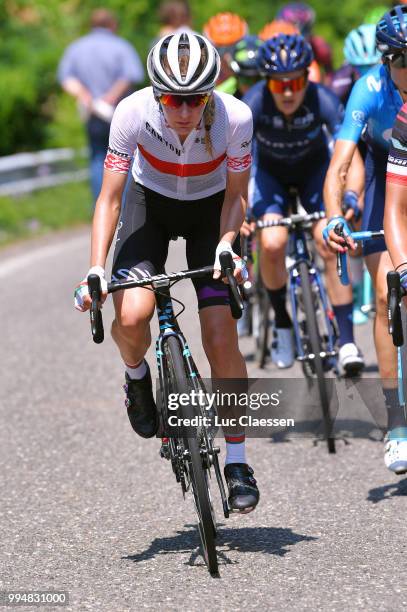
[[140, 404], [243, 492]]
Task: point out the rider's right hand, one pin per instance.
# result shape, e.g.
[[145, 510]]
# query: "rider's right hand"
[[82, 300], [334, 241], [247, 228]]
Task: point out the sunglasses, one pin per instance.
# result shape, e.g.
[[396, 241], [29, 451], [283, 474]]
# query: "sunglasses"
[[280, 85], [176, 101], [398, 60]]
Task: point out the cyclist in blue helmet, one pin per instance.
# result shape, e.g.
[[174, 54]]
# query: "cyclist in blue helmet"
[[373, 105], [244, 66], [291, 118]]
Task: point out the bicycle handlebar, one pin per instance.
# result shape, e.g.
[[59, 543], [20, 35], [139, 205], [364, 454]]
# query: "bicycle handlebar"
[[292, 221], [95, 291], [341, 258]]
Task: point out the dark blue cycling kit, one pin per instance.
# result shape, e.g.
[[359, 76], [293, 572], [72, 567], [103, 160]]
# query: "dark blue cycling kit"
[[291, 152], [373, 106]]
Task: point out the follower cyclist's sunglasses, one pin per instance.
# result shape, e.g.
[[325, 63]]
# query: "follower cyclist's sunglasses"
[[280, 85], [176, 101], [398, 60]]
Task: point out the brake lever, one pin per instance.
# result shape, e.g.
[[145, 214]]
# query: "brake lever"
[[341, 259], [236, 301], [96, 320]]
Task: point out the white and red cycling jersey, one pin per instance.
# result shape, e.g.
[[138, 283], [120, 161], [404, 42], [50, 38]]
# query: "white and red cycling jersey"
[[182, 171]]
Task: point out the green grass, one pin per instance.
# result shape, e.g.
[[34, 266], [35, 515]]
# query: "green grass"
[[44, 211]]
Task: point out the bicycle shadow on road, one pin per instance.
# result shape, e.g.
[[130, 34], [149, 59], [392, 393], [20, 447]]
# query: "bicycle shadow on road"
[[395, 489], [345, 430], [267, 540]]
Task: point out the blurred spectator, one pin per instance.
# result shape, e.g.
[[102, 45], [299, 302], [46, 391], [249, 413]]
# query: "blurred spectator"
[[224, 30], [99, 70], [303, 17], [174, 15]]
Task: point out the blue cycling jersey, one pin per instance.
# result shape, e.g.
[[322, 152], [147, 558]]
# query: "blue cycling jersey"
[[282, 143], [374, 104]]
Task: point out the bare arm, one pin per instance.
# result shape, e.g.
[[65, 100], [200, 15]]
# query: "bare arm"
[[335, 183], [356, 176], [106, 216], [234, 205], [395, 223], [75, 88]]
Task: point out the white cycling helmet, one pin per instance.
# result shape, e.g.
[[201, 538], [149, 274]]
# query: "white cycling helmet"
[[183, 63]]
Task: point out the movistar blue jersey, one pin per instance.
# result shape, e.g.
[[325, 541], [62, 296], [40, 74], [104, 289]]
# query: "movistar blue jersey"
[[281, 143], [374, 104]]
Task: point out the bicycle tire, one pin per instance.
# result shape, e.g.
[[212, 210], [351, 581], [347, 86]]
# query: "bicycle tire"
[[315, 342], [203, 505], [261, 322]]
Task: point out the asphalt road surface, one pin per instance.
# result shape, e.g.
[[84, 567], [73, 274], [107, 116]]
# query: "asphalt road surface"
[[90, 508]]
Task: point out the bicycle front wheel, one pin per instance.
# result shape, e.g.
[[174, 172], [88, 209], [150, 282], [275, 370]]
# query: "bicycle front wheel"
[[260, 317], [193, 463], [316, 348]]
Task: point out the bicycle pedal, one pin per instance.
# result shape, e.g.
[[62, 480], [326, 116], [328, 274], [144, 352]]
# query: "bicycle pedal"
[[164, 451]]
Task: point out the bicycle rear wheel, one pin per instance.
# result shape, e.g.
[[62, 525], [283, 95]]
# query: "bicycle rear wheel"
[[316, 349], [196, 472]]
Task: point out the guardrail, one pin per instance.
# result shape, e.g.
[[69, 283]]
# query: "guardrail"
[[27, 172]]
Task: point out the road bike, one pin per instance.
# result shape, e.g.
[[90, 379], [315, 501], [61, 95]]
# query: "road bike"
[[190, 449], [314, 324]]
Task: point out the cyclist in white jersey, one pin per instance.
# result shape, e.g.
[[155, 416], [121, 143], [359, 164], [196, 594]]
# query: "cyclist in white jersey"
[[192, 155]]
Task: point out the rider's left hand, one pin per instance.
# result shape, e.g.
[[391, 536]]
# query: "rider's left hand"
[[240, 272]]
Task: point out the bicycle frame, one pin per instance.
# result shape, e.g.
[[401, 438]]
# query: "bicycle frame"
[[169, 327], [299, 251]]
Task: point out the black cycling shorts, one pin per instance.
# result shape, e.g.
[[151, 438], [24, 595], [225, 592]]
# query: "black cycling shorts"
[[148, 222]]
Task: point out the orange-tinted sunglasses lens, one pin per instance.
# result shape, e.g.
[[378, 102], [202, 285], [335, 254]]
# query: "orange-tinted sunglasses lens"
[[176, 101], [280, 85]]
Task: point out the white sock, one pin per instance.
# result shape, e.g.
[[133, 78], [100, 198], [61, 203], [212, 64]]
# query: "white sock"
[[235, 451], [137, 372]]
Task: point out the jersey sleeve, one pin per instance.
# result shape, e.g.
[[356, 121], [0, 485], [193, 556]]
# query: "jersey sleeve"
[[238, 152], [358, 110], [397, 160], [124, 131]]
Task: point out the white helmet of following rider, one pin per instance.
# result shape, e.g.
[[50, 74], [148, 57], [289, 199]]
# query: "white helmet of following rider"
[[183, 63]]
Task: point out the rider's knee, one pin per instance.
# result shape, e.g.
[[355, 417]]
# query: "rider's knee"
[[129, 323], [273, 248], [381, 301]]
